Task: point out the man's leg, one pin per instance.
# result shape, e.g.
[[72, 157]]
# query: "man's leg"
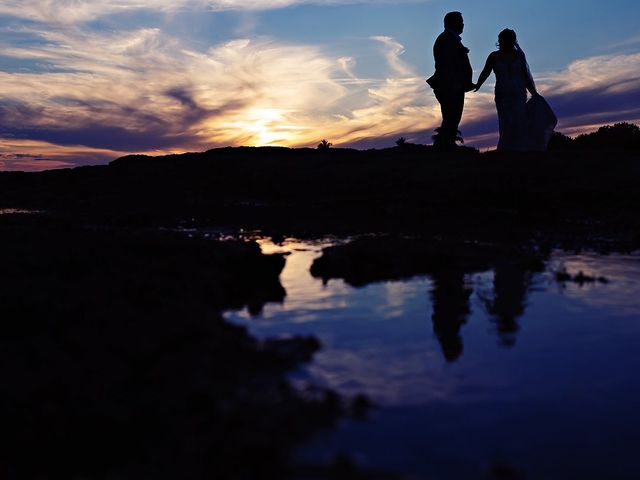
[[451, 106], [443, 137], [457, 106]]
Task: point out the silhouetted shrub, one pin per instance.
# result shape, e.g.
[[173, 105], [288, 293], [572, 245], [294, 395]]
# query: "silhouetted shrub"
[[324, 145], [560, 141], [620, 135], [401, 142], [436, 135]]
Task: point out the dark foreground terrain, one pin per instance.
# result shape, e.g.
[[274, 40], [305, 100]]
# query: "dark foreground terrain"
[[116, 361], [588, 194]]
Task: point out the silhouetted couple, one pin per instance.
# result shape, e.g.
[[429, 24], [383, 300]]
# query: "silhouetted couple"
[[523, 126]]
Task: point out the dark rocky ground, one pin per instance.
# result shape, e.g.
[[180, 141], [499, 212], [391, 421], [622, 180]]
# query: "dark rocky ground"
[[582, 195], [116, 363], [115, 360], [383, 258]]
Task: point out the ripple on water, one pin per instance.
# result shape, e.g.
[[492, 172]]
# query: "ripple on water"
[[12, 211]]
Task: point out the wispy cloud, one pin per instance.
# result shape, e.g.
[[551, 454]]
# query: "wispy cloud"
[[102, 94], [144, 91], [596, 90], [628, 42], [74, 11]]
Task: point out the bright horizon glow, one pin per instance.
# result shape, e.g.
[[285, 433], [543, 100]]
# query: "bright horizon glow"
[[86, 82]]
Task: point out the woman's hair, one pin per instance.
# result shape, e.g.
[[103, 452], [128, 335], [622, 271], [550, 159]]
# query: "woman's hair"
[[507, 39]]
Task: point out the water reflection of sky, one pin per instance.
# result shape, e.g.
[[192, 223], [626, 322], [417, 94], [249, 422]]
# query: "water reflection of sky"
[[13, 211], [562, 374]]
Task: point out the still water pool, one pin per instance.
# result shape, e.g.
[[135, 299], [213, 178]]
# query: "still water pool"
[[537, 379]]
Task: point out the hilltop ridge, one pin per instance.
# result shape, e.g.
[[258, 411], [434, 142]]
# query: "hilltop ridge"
[[410, 189]]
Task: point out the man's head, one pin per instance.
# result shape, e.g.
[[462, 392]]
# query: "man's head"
[[453, 21]]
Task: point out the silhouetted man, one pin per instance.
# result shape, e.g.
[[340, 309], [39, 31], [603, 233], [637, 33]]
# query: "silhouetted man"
[[453, 77], [450, 298]]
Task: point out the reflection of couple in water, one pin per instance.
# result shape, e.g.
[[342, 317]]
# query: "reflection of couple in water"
[[451, 299], [523, 125]]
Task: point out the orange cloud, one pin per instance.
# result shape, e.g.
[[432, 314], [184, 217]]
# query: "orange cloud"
[[30, 155]]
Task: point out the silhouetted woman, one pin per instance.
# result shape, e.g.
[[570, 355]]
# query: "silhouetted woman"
[[513, 79]]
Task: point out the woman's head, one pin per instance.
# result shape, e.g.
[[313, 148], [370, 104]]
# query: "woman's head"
[[507, 39]]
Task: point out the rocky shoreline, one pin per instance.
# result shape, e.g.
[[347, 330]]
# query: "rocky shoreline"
[[117, 363]]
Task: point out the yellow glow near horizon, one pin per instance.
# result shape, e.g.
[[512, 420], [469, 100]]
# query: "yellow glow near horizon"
[[258, 126], [265, 125]]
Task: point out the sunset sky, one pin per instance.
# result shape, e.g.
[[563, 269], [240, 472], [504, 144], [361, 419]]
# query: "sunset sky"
[[86, 81]]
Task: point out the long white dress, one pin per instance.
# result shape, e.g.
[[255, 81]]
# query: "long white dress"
[[542, 121], [512, 77]]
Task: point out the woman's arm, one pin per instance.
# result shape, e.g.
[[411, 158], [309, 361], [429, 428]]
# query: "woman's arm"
[[486, 71]]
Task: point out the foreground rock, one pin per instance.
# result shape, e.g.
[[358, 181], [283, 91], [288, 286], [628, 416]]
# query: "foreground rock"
[[116, 363], [382, 258]]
